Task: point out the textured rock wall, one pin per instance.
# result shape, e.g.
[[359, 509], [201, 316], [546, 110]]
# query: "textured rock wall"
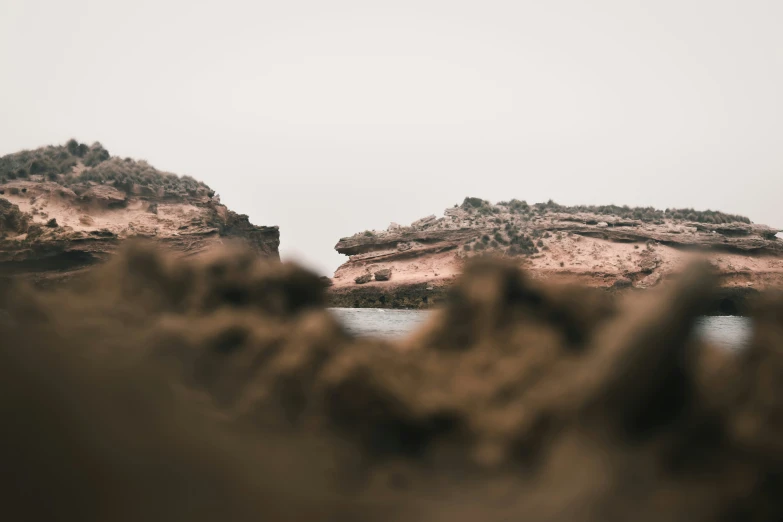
[[561, 244]]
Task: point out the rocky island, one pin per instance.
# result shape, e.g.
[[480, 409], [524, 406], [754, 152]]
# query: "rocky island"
[[609, 247], [66, 208]]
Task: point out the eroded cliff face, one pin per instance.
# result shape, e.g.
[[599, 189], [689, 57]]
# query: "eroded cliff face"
[[63, 209], [605, 247]]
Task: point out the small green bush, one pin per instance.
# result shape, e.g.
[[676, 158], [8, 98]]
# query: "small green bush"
[[518, 206], [52, 161], [73, 147], [644, 214], [96, 155], [66, 165], [472, 203]]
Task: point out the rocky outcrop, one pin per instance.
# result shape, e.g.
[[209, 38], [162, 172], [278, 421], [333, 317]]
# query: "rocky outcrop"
[[424, 222], [55, 223], [364, 278], [105, 196], [608, 247], [12, 220]]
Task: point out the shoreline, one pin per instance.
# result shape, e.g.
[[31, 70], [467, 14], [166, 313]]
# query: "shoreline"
[[727, 301]]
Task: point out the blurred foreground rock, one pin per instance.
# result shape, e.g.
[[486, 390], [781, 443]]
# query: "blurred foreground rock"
[[220, 388]]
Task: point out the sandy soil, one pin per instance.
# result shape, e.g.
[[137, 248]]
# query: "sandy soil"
[[47, 201], [435, 268]]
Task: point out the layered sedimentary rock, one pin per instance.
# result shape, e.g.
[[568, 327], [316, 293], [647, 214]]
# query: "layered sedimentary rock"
[[609, 247], [66, 208]]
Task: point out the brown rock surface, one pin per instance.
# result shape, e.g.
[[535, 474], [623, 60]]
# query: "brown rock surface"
[[383, 275], [219, 388], [86, 212], [595, 246], [362, 279]]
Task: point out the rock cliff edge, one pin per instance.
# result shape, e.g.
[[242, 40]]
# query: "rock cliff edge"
[[65, 208], [607, 247]]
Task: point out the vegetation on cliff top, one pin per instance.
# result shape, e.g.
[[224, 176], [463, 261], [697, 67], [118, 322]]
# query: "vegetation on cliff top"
[[76, 165], [516, 239], [645, 214], [516, 228]]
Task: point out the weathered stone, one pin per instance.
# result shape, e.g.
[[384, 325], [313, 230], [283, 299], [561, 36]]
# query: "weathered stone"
[[105, 195], [383, 274], [649, 261], [364, 278], [651, 280], [578, 246], [424, 221]]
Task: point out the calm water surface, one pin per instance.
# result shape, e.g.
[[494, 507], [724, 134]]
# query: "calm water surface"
[[381, 322], [728, 331]]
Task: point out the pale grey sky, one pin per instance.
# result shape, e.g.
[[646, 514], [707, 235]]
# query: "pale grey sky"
[[331, 117]]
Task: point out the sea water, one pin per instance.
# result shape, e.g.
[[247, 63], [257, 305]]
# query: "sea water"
[[731, 332]]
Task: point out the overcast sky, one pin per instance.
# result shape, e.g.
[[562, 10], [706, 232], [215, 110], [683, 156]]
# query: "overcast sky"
[[331, 117]]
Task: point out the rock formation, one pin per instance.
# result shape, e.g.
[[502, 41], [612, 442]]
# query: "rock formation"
[[606, 246], [362, 279], [383, 274], [65, 208]]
